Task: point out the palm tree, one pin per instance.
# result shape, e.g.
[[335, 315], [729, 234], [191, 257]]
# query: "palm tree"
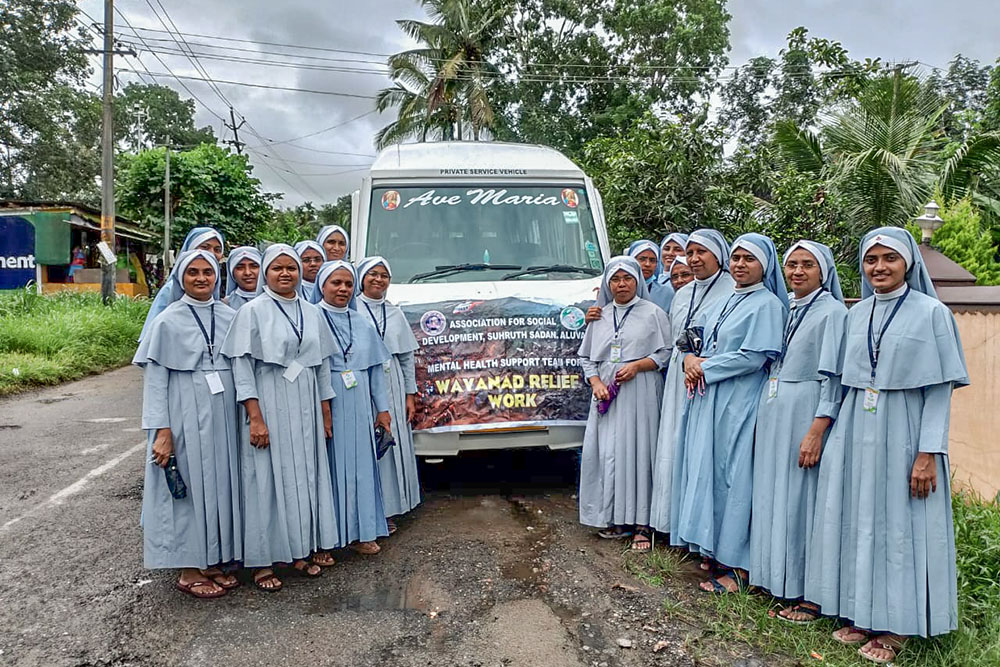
[[442, 87], [881, 152]]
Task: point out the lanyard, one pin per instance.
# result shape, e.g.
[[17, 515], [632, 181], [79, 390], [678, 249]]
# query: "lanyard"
[[691, 308], [336, 334], [381, 332], [726, 312], [795, 321], [297, 332], [875, 343], [210, 341], [619, 325]]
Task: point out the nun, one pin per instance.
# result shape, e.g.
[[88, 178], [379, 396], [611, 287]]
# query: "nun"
[[707, 258], [647, 254], [679, 273], [278, 346], [201, 238], [398, 468], [361, 404], [671, 247], [312, 256], [882, 550], [622, 354], [797, 406], [189, 412], [334, 241], [713, 478], [244, 269]]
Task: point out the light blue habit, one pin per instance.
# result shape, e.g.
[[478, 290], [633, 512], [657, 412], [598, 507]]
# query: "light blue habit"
[[357, 355], [203, 529], [279, 348], [307, 288], [713, 468], [878, 556], [659, 293], [694, 298], [398, 468], [616, 466], [171, 289], [235, 295], [808, 386]]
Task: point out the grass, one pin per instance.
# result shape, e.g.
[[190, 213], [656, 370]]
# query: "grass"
[[49, 339], [746, 617]]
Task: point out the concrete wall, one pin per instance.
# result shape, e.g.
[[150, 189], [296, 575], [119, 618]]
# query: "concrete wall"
[[974, 444]]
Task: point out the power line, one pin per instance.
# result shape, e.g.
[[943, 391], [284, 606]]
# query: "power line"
[[326, 129], [256, 85]]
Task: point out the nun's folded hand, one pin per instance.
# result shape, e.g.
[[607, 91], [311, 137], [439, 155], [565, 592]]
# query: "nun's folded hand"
[[163, 447], [692, 369], [923, 477], [627, 372], [600, 389], [593, 314]]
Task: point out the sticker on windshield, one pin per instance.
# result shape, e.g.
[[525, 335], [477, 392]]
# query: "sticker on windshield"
[[570, 198], [390, 200], [433, 323], [572, 318], [571, 217]]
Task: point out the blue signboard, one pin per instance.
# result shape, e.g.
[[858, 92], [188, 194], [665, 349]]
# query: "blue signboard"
[[17, 252]]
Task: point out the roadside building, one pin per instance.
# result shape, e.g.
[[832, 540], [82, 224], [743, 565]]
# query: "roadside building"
[[53, 245]]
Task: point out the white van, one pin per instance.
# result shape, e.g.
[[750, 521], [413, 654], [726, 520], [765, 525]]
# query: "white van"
[[496, 252]]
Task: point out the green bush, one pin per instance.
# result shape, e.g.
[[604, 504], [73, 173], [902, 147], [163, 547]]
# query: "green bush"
[[53, 338]]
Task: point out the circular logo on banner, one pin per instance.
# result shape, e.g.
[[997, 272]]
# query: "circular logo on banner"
[[433, 323], [390, 200], [572, 318], [570, 198]]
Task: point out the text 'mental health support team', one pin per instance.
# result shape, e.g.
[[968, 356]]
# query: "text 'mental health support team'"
[[792, 444]]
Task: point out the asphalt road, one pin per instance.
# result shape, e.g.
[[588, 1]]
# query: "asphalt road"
[[492, 569]]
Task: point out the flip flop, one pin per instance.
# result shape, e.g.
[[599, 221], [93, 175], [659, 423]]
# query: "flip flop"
[[614, 534], [305, 567], [259, 581], [323, 563], [392, 526], [851, 630], [877, 644], [366, 548], [192, 589], [799, 609], [218, 574], [718, 588], [641, 542]]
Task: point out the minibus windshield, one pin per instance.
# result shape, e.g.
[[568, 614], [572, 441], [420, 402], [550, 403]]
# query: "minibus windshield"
[[473, 233]]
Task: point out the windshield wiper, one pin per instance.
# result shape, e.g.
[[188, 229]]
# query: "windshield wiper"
[[449, 269], [554, 268]]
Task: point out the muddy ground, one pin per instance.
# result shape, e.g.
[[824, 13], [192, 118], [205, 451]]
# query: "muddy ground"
[[491, 570]]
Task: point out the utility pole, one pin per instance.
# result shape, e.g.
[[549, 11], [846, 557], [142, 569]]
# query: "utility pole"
[[107, 155], [236, 131], [166, 213]]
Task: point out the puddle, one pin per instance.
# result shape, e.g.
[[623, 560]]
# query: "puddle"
[[409, 594]]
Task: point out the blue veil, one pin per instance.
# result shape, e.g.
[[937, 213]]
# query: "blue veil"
[[762, 248], [827, 265], [900, 240]]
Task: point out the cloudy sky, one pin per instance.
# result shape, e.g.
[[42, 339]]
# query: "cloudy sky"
[[313, 146]]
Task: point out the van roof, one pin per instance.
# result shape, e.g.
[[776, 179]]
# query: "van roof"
[[473, 159]]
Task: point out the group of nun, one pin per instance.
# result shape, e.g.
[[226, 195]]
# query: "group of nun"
[[261, 410], [787, 442]]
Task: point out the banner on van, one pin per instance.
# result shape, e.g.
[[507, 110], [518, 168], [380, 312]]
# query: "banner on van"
[[499, 362]]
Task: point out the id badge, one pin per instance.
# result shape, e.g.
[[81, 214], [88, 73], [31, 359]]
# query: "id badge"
[[871, 400], [616, 352], [214, 381], [772, 388], [350, 381], [387, 366], [292, 371]]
